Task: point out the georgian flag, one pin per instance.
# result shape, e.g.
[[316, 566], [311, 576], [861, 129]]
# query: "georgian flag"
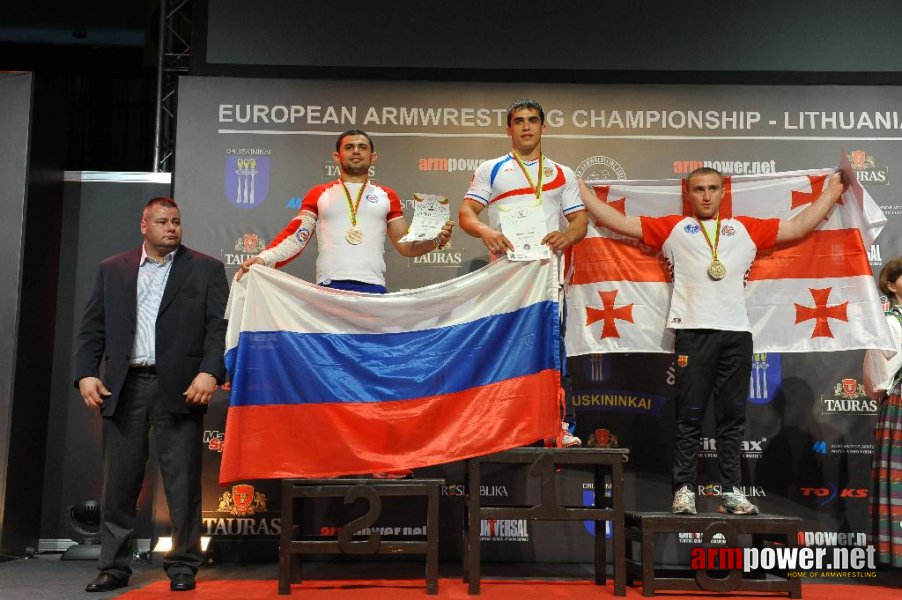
[[817, 294]]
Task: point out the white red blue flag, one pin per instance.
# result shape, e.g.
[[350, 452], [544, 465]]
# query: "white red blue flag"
[[328, 382]]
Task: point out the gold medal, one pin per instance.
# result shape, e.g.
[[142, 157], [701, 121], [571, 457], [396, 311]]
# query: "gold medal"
[[716, 270], [353, 235]]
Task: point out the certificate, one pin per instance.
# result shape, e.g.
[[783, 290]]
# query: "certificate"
[[525, 227], [430, 213]]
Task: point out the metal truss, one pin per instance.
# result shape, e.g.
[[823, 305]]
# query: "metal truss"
[[173, 54]]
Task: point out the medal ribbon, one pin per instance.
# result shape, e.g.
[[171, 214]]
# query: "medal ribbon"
[[353, 205], [536, 188], [712, 246]]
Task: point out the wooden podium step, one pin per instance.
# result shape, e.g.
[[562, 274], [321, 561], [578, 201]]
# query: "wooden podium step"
[[642, 529]]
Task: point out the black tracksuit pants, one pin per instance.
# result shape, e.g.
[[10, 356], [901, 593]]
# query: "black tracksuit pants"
[[711, 364]]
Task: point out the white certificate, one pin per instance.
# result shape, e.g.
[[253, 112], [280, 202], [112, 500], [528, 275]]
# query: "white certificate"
[[525, 227], [430, 213]]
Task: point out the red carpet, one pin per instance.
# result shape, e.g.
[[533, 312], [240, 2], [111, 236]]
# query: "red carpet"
[[404, 589]]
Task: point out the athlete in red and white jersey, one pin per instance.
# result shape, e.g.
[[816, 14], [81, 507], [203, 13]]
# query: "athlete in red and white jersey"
[[501, 182], [703, 302], [338, 260], [709, 258], [353, 216], [525, 177]]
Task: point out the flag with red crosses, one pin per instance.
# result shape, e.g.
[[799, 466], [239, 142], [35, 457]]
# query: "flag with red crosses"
[[810, 295]]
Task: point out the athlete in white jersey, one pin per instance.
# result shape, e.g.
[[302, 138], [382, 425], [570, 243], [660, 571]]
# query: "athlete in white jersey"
[[709, 258], [505, 183], [354, 216], [517, 179], [526, 177]]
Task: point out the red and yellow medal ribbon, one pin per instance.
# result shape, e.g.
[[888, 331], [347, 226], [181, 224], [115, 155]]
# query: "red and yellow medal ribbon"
[[535, 187], [712, 246]]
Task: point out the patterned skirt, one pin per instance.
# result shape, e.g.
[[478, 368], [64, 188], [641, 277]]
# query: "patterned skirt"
[[886, 482]]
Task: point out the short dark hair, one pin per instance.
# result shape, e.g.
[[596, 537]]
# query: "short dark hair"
[[704, 171], [888, 274], [158, 201], [350, 132], [525, 103]]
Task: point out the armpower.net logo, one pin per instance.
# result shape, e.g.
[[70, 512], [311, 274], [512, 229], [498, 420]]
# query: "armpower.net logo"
[[820, 563]]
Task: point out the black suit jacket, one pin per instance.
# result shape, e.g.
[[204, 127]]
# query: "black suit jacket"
[[190, 329]]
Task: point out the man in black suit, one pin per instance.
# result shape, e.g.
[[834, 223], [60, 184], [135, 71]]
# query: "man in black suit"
[[155, 317]]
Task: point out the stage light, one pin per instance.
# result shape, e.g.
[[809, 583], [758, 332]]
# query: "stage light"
[[85, 520], [164, 544]]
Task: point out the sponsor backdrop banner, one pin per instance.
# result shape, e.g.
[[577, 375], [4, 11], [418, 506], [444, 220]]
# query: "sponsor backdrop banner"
[[249, 149]]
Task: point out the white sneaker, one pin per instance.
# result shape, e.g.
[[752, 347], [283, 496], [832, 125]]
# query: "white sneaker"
[[736, 503], [683, 501], [568, 440]]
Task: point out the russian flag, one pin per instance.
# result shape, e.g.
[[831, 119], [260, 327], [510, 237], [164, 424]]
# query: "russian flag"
[[329, 382]]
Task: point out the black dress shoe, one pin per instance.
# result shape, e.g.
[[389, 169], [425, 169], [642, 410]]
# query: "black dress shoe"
[[105, 583], [181, 582]]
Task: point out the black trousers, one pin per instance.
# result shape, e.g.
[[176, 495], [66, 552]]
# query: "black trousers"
[[718, 364], [126, 439]]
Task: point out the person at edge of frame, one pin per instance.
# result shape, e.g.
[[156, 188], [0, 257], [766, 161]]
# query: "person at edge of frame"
[[156, 320]]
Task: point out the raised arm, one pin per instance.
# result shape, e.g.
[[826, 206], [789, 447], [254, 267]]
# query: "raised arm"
[[608, 216], [799, 226]]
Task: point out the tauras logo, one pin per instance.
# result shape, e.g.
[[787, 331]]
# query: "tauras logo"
[[242, 526], [849, 398], [446, 257], [866, 170], [242, 500], [245, 247], [332, 171]]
